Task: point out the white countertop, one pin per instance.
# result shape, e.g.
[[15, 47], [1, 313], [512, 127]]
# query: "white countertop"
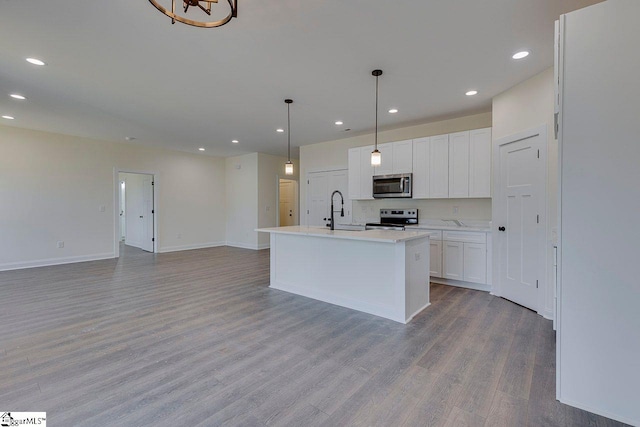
[[387, 236]]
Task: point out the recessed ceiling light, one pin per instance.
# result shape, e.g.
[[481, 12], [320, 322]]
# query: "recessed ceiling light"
[[130, 138], [339, 123], [471, 93], [520, 55], [280, 130], [393, 110], [201, 149], [17, 96], [8, 117], [35, 61], [235, 141]]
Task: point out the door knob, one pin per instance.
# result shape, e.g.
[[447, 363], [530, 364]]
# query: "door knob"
[[501, 228]]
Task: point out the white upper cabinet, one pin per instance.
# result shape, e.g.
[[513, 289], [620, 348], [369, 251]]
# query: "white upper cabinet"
[[386, 164], [403, 156], [439, 167], [354, 173], [459, 165], [421, 168], [480, 163]]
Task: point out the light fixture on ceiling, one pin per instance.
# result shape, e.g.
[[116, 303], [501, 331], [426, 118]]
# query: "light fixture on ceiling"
[[520, 55], [130, 138], [203, 6], [339, 123], [35, 61], [17, 96], [8, 117], [280, 130], [201, 148], [288, 167], [376, 157], [471, 93], [235, 141], [393, 111]]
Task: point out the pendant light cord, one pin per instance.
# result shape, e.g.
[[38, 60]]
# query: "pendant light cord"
[[376, 112], [288, 132]]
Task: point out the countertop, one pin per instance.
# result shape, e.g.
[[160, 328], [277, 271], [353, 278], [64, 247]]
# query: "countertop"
[[387, 236]]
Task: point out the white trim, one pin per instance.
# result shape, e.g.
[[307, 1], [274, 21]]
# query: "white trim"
[[190, 247], [253, 246], [55, 261], [599, 412], [116, 206]]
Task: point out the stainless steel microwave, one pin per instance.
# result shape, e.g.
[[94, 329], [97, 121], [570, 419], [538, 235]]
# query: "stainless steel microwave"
[[390, 186]]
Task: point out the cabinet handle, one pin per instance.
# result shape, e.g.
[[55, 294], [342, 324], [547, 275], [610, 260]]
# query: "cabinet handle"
[[501, 228]]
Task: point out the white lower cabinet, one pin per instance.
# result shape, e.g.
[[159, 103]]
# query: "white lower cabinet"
[[453, 260], [435, 262], [475, 262]]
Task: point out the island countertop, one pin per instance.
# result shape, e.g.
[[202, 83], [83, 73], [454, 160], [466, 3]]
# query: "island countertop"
[[386, 236]]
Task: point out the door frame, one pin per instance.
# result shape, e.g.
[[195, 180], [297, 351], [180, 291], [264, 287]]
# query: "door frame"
[[296, 197], [542, 176], [116, 206]]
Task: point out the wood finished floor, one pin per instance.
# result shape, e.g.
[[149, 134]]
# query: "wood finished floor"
[[198, 338]]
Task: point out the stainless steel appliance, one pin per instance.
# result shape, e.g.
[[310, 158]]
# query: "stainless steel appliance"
[[390, 186], [394, 219]]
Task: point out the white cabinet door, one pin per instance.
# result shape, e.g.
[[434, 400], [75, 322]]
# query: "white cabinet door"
[[366, 173], [435, 262], [386, 164], [439, 167], [459, 165], [403, 156], [475, 262], [452, 260], [354, 174], [480, 163], [421, 168]]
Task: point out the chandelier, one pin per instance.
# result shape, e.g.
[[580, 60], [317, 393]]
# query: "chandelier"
[[203, 6]]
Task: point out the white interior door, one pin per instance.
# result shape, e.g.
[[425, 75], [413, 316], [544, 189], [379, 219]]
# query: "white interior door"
[[287, 203], [318, 201], [147, 213], [123, 207], [521, 183]]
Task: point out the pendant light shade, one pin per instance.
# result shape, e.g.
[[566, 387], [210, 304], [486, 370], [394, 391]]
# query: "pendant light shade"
[[376, 157], [288, 167]]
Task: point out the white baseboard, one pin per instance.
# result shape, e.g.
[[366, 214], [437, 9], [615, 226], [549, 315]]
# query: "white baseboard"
[[190, 247], [54, 261], [248, 246], [547, 314], [461, 284], [599, 412]]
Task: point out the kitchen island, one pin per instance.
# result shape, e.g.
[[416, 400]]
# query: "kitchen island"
[[385, 273]]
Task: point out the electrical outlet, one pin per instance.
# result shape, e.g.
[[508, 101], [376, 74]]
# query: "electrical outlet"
[[455, 209], [179, 236], [60, 244], [102, 208]]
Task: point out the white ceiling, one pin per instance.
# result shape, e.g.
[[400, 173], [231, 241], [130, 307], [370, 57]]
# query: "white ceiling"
[[119, 68]]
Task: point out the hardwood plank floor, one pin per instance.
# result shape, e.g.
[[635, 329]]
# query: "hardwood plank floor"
[[198, 338]]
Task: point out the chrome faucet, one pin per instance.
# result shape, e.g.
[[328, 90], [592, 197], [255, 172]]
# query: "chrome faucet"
[[341, 210]]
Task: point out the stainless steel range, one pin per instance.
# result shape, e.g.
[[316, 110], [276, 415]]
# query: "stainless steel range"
[[394, 219]]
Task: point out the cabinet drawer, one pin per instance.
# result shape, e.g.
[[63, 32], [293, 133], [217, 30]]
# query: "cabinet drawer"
[[464, 236]]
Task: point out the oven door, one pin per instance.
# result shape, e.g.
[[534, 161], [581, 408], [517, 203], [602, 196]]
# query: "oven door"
[[388, 186]]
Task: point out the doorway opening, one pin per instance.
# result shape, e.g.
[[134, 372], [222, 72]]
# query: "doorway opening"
[[136, 225], [287, 202]]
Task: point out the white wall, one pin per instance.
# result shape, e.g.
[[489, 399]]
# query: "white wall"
[[526, 106], [270, 170], [599, 329], [334, 155], [52, 187], [242, 200]]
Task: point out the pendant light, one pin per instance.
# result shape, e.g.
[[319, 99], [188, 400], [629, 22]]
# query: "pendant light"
[[376, 157], [288, 167]]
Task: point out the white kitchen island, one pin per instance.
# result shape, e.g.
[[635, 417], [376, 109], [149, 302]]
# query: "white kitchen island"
[[381, 272]]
